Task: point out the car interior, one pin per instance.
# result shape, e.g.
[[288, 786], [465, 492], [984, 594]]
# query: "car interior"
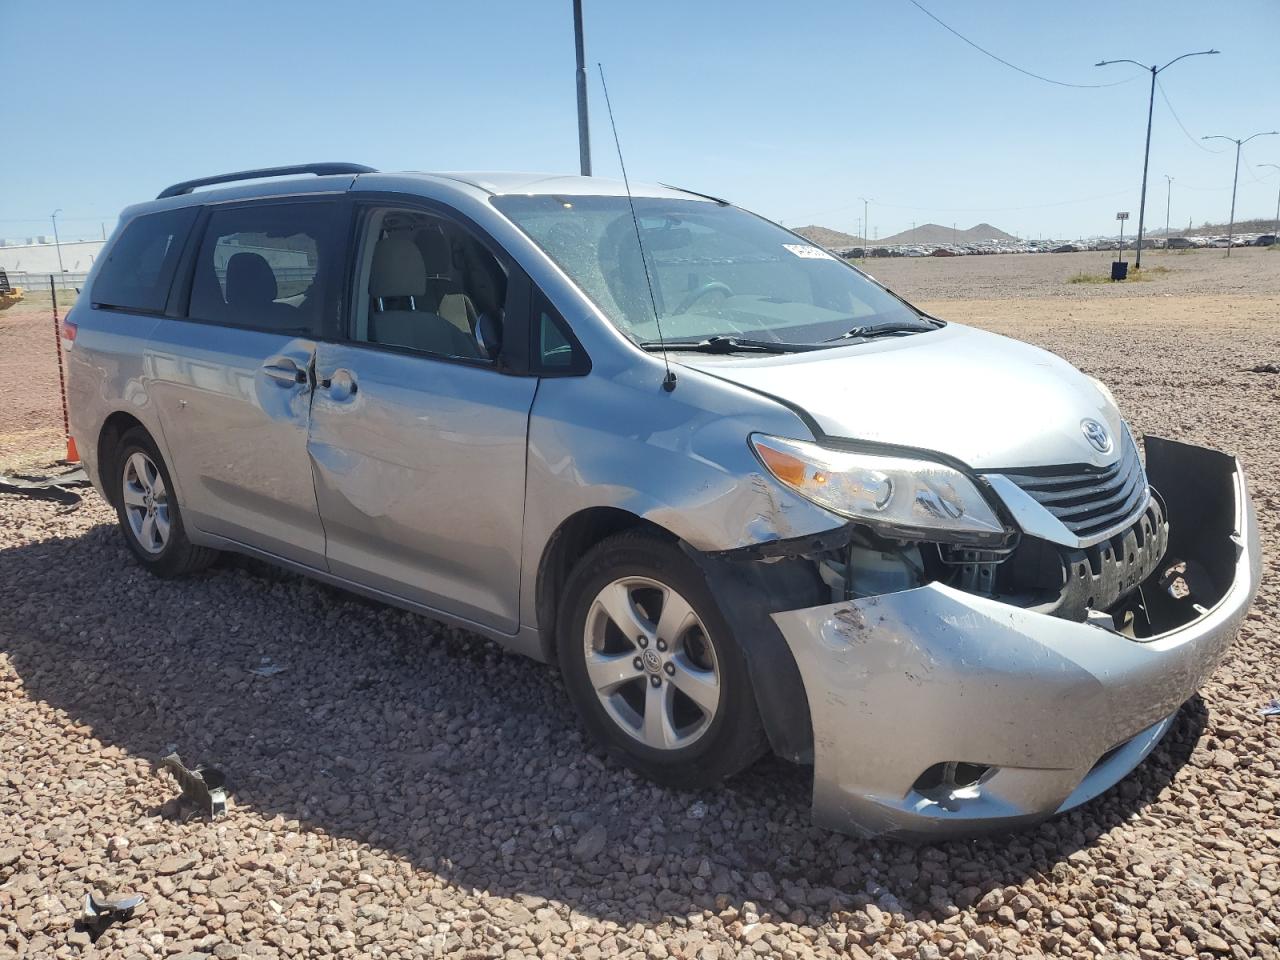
[[429, 286]]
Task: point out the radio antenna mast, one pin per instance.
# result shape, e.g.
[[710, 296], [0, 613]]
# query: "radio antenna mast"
[[669, 381]]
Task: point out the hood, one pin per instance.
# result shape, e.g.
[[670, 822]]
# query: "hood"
[[987, 400]]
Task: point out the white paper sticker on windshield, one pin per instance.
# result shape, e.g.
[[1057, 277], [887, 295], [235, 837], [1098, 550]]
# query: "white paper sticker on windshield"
[[807, 252]]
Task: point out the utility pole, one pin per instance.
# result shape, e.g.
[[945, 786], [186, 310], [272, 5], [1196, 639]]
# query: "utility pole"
[[1231, 227], [866, 221], [56, 244], [1146, 156], [1275, 225], [1168, 200], [584, 131]]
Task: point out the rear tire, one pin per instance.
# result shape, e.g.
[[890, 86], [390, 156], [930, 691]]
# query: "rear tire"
[[148, 511], [651, 666]]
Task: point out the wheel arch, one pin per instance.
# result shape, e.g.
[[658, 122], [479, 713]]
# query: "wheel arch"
[[576, 535], [747, 591], [113, 428]]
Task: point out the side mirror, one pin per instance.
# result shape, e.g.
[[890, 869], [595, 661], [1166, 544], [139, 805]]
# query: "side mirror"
[[489, 333]]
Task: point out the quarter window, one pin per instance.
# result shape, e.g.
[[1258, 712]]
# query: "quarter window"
[[266, 266], [137, 272]]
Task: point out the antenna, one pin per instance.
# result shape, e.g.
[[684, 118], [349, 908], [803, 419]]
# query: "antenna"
[[669, 381]]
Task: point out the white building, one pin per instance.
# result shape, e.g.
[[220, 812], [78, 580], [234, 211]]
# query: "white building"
[[42, 258]]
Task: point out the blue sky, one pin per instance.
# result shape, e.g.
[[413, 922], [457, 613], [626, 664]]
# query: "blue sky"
[[792, 109]]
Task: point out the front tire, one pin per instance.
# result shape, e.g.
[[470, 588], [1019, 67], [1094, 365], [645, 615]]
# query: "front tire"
[[651, 666], [148, 512]]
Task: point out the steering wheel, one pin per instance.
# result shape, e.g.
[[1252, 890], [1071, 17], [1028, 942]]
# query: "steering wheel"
[[711, 286]]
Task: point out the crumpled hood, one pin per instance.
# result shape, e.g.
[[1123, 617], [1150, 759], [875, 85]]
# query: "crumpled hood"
[[987, 400]]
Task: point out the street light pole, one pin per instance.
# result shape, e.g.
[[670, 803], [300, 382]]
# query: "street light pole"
[[1235, 182], [56, 244], [584, 131], [1275, 225], [866, 223], [1146, 155], [1168, 200]]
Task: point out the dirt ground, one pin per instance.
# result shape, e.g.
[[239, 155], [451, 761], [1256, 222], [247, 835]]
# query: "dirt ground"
[[30, 403], [404, 790]]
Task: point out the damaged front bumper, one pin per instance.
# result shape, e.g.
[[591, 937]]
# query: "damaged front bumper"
[[937, 712]]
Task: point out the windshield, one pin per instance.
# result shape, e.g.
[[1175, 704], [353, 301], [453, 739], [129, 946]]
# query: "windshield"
[[717, 271]]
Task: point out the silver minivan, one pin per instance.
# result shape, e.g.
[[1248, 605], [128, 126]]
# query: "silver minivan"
[[744, 496]]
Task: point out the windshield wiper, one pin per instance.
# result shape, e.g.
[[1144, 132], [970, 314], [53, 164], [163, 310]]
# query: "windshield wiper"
[[872, 330], [730, 345]]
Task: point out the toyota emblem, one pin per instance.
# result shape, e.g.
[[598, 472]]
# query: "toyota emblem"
[[1097, 435]]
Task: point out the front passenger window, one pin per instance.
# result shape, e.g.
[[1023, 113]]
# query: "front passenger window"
[[427, 285]]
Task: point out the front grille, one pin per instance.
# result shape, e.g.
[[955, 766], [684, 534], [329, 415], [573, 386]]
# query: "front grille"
[[1090, 500]]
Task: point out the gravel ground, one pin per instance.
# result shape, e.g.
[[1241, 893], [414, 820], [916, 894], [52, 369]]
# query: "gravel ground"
[[400, 789]]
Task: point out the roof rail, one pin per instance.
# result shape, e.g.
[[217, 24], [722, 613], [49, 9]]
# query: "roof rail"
[[319, 169]]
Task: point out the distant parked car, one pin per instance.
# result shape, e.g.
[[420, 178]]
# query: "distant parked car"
[[1179, 243], [1067, 248], [943, 252], [1266, 240]]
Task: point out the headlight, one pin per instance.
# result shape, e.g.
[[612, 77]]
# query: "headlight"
[[909, 496]]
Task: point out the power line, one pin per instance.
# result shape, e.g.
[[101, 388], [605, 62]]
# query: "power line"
[[1014, 66], [1165, 97]]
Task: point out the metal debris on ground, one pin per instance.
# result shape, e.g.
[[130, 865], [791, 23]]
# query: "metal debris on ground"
[[59, 487], [1272, 709], [204, 789], [1265, 368], [267, 669], [100, 912]]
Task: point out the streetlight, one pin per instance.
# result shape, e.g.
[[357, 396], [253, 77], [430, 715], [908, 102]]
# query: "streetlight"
[[1146, 156], [866, 223], [56, 245], [1168, 200], [1275, 226], [1239, 143], [584, 131]]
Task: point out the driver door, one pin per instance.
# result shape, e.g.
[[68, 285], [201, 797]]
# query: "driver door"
[[417, 435]]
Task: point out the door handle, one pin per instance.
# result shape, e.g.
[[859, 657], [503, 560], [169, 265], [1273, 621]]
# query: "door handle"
[[341, 384], [285, 370]]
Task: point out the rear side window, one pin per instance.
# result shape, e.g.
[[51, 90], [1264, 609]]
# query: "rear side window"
[[266, 266], [138, 270]]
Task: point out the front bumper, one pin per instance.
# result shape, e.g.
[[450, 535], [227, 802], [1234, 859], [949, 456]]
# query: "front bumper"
[[1059, 711]]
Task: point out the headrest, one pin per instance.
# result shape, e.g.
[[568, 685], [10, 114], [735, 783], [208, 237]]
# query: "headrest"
[[437, 254], [250, 281], [398, 270]]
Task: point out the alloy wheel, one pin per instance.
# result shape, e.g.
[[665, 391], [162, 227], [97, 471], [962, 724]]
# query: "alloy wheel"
[[146, 502], [652, 663]]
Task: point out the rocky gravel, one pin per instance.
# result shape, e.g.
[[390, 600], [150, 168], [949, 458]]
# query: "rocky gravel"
[[401, 789]]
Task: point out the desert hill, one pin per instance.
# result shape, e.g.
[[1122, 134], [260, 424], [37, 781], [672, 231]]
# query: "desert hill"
[[936, 233]]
